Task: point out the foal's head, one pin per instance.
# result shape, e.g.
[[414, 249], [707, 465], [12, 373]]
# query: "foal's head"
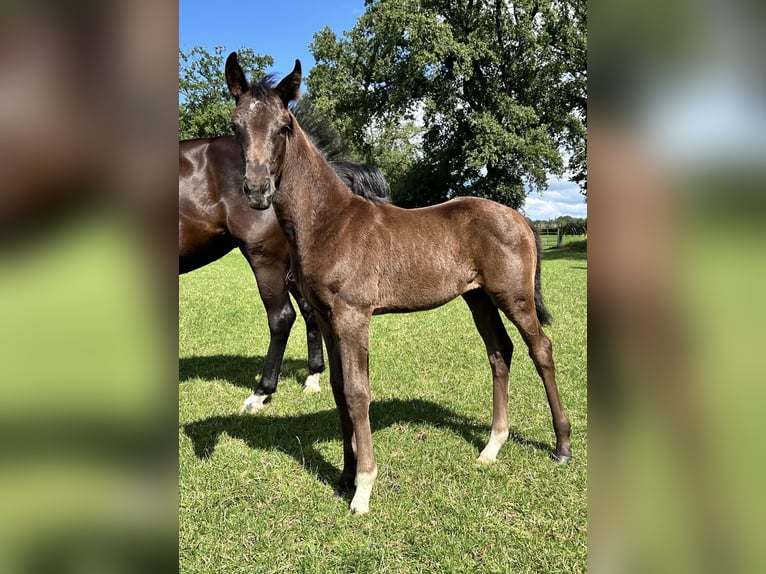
[[262, 123]]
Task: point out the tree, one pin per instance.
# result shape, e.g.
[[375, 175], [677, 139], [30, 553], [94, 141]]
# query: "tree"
[[483, 97], [572, 225], [204, 107], [205, 104]]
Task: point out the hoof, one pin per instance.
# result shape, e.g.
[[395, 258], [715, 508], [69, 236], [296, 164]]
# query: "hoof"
[[359, 508], [253, 404], [312, 384], [561, 458], [485, 460]]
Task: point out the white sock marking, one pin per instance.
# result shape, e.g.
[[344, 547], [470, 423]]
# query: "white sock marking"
[[360, 504], [312, 384], [496, 440], [254, 403]]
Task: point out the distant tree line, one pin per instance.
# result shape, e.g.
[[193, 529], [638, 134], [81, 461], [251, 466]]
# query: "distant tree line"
[[561, 226], [567, 224]]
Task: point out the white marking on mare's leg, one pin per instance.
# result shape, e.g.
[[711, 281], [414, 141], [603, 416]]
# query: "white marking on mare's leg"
[[312, 384], [496, 440], [254, 403], [360, 504]]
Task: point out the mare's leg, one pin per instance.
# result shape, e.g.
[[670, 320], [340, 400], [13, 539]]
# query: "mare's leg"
[[352, 329], [520, 309], [270, 277], [313, 339], [499, 351]]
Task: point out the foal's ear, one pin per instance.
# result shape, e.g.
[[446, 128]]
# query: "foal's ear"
[[289, 88], [235, 77]]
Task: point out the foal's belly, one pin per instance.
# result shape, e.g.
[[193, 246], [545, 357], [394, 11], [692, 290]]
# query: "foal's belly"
[[419, 293]]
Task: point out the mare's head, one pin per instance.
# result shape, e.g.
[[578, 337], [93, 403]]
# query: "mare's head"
[[263, 123]]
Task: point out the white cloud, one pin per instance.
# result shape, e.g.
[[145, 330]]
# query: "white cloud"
[[561, 198]]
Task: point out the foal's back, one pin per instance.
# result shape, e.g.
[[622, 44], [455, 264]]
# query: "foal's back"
[[412, 259]]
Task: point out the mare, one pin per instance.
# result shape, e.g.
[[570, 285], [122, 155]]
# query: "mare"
[[213, 219], [353, 258]]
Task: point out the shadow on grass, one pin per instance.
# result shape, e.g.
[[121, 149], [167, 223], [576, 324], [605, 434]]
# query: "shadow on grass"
[[238, 370], [298, 435], [576, 251]]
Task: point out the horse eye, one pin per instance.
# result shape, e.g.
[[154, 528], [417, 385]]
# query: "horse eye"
[[285, 130]]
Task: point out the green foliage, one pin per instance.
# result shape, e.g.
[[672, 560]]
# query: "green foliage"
[[573, 225], [204, 108], [481, 98], [257, 493]]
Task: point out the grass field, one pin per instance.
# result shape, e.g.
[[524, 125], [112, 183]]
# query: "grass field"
[[257, 492]]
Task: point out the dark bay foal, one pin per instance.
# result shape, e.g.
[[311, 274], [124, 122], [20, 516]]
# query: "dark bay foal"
[[353, 258]]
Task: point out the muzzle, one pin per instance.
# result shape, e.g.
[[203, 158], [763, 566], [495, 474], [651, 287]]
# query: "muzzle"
[[259, 190]]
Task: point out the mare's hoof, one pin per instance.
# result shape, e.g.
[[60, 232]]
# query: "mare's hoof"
[[253, 404], [485, 460], [312, 384]]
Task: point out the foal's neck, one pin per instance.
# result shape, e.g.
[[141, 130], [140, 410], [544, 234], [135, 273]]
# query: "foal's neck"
[[310, 192]]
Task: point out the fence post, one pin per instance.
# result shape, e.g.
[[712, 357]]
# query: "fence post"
[[559, 237]]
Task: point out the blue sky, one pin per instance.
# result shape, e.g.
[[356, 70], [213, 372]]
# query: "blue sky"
[[284, 31], [276, 28]]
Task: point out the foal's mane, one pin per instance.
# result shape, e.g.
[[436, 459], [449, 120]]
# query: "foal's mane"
[[364, 180]]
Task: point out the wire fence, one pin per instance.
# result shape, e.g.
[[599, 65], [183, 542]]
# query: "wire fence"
[[549, 237]]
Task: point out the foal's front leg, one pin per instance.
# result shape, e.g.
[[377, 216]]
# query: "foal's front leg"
[[336, 382], [352, 329]]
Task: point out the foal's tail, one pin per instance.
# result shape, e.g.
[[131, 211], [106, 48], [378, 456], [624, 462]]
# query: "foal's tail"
[[543, 315]]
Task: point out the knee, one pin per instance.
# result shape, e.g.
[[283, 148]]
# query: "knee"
[[283, 321], [358, 399]]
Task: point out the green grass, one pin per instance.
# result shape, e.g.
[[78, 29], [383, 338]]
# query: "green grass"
[[257, 493], [548, 240]]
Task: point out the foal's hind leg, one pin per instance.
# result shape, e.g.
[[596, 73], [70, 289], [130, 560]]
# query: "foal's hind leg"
[[313, 339], [499, 351], [520, 309], [281, 316]]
